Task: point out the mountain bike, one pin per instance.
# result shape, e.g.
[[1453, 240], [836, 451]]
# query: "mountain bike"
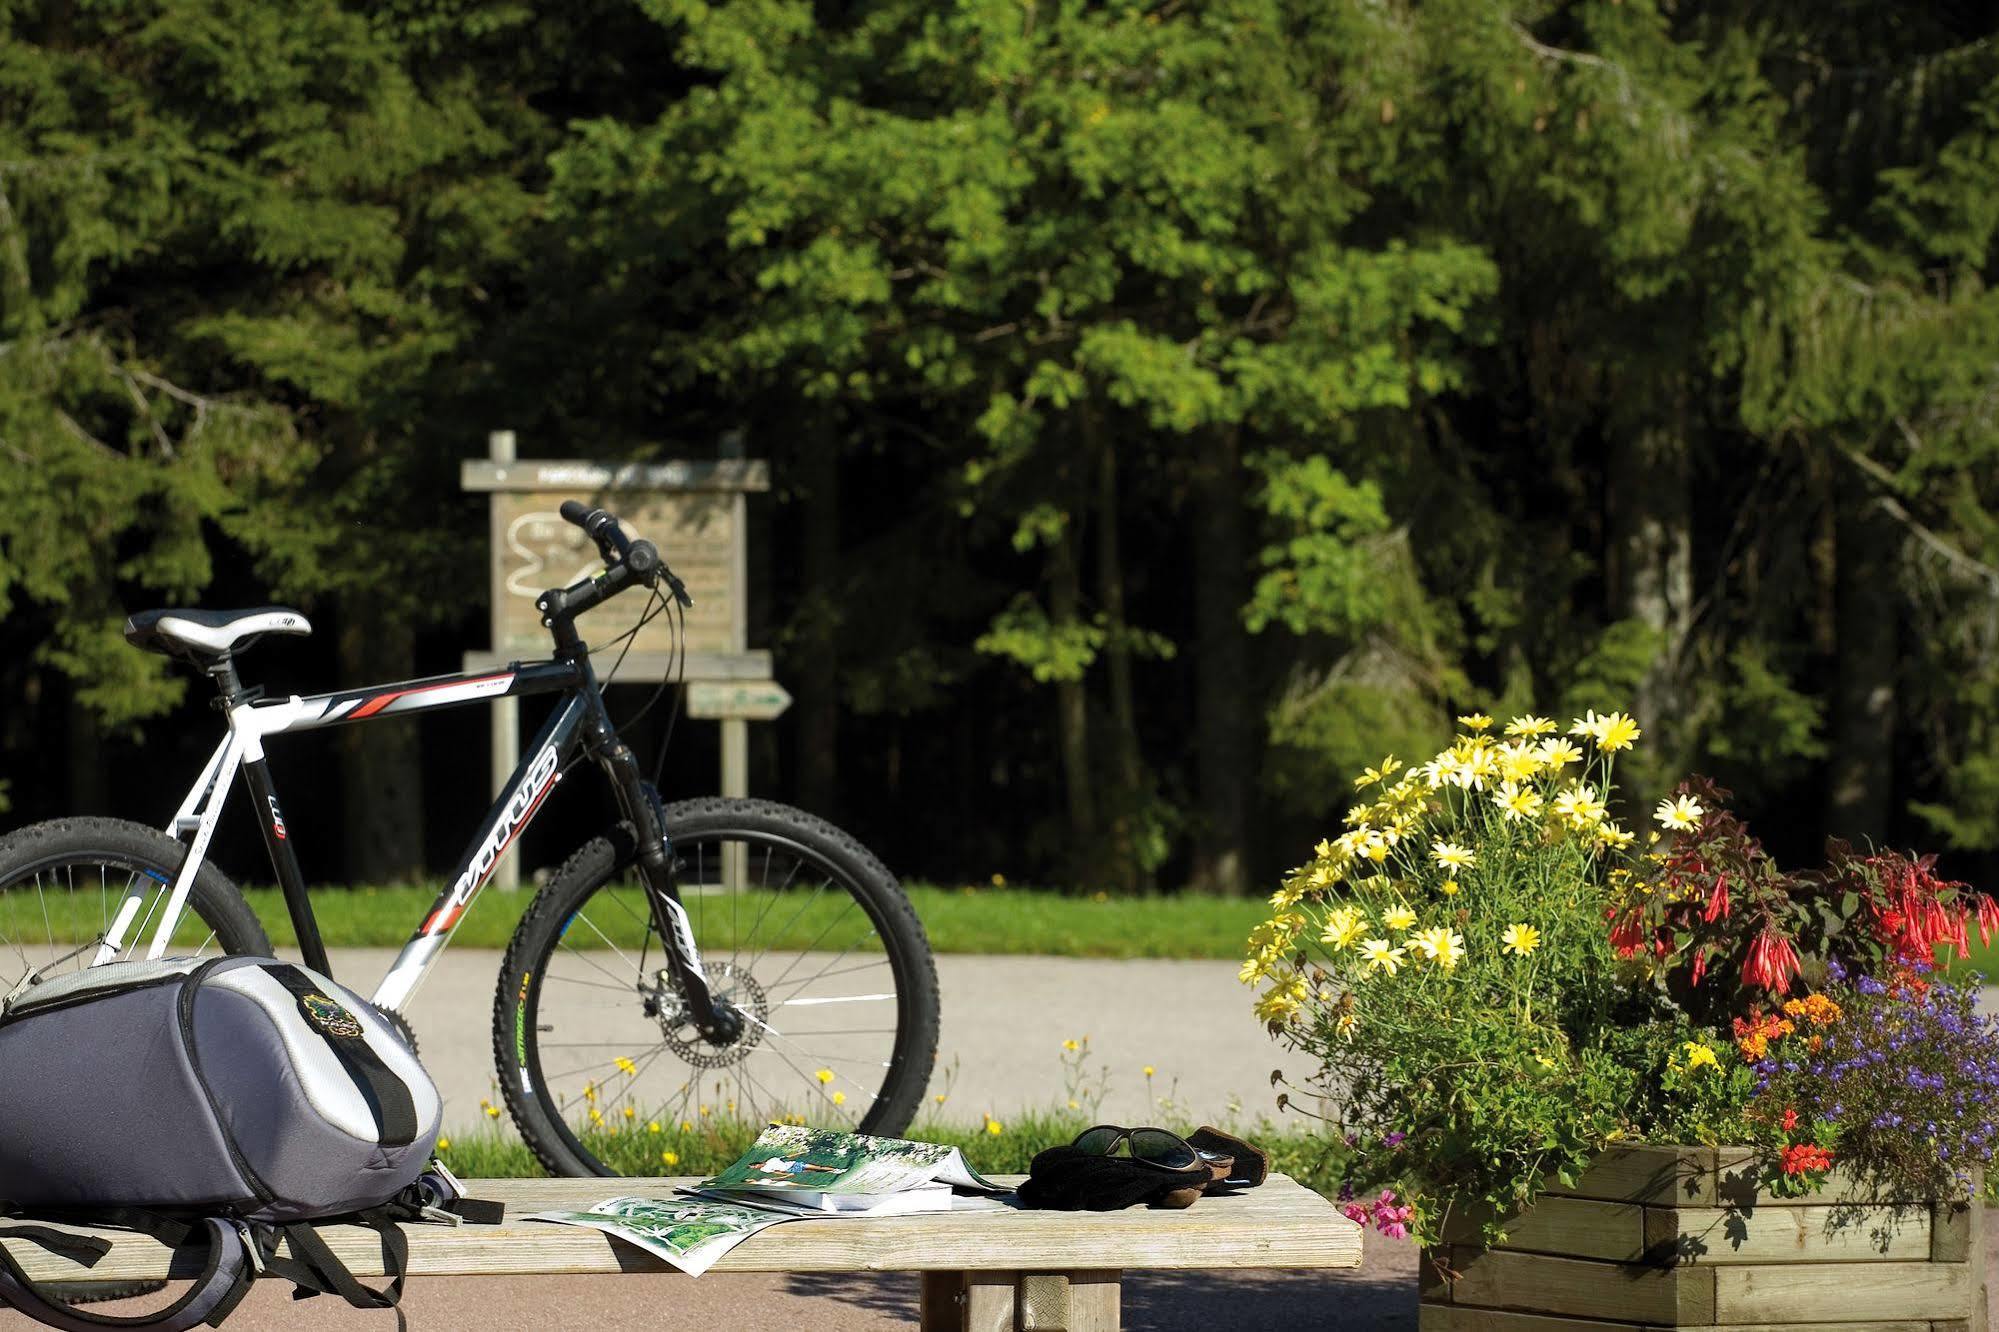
[[727, 958]]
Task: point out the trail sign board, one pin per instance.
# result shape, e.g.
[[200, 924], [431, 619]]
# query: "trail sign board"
[[694, 513]]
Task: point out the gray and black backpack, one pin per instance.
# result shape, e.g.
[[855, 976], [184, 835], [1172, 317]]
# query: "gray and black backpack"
[[237, 1098]]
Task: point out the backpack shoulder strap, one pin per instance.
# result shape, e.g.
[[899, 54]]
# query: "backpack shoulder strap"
[[224, 1279]]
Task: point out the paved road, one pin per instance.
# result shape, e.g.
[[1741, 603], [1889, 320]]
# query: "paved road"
[[1000, 1049]]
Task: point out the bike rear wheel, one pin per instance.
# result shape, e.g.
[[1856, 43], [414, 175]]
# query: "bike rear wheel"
[[62, 884], [799, 927]]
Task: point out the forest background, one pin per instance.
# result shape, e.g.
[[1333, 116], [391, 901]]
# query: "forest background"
[[1172, 406]]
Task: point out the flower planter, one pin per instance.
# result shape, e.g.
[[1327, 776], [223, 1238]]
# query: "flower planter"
[[1657, 1237]]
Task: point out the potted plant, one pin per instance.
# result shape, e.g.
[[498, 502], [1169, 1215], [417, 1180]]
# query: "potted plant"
[[1668, 1084]]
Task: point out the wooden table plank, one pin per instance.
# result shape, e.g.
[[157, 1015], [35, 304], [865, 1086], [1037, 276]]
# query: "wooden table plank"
[[1279, 1225]]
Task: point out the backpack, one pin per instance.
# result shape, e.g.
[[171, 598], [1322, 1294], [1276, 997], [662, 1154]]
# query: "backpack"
[[234, 1099]]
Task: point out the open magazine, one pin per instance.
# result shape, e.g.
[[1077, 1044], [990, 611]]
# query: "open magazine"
[[690, 1233], [816, 1171], [788, 1173]]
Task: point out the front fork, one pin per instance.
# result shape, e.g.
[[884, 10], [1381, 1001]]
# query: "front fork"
[[718, 1022]]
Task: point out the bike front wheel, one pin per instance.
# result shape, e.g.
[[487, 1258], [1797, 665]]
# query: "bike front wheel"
[[800, 928]]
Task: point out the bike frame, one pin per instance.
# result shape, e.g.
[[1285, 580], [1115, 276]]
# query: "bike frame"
[[579, 722]]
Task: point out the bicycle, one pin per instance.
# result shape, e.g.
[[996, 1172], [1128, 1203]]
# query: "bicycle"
[[585, 1012]]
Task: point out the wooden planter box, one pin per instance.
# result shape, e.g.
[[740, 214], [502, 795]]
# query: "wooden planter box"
[[1685, 1237]]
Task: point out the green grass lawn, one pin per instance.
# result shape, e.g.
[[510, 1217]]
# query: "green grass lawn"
[[958, 920]]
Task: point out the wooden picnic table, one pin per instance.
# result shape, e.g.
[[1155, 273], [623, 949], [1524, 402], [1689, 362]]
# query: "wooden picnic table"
[[1011, 1271]]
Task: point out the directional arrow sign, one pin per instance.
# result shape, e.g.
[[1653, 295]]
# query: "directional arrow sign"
[[748, 700]]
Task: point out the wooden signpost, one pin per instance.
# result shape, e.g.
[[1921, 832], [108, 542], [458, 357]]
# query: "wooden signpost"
[[694, 511]]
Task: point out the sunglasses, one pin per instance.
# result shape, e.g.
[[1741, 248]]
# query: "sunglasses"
[[1149, 1146]]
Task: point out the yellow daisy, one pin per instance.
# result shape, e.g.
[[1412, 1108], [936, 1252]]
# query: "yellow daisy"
[[1380, 956], [1398, 918], [1559, 753], [1449, 855], [1475, 721], [1343, 930], [1520, 940], [1618, 732], [1530, 726], [1440, 945], [1516, 801]]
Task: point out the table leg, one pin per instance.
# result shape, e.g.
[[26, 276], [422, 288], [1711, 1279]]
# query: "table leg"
[[1021, 1301]]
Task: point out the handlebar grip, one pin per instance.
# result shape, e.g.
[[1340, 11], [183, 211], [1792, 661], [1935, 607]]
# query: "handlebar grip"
[[601, 527]]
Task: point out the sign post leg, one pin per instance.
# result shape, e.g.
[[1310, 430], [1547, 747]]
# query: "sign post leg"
[[735, 784]]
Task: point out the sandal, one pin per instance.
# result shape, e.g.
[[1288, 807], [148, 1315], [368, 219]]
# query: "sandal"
[[1250, 1165]]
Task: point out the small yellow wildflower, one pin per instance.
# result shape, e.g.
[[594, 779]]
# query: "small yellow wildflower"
[[994, 1127], [1071, 1046], [627, 1067], [596, 1116], [839, 1098], [1148, 1070], [1530, 726], [670, 1158], [1449, 855], [1520, 939], [1450, 888], [1075, 1104], [686, 1126], [1700, 1056], [1380, 956], [444, 1144], [630, 1113], [1681, 814], [1398, 918], [1348, 1021], [825, 1075], [652, 1126], [1475, 721]]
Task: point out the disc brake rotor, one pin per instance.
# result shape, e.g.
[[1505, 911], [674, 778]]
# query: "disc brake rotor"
[[728, 985]]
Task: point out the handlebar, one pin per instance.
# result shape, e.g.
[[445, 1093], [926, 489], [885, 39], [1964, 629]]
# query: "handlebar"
[[626, 561]]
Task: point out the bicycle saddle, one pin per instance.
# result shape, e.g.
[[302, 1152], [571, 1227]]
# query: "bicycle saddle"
[[200, 633]]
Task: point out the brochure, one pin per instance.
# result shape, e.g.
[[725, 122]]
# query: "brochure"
[[690, 1233], [810, 1171]]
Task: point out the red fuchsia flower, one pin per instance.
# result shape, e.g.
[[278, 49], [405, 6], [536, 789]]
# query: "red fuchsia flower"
[[1804, 1158], [1627, 936], [1772, 962], [1717, 901], [1790, 1120], [1700, 964], [1988, 918]]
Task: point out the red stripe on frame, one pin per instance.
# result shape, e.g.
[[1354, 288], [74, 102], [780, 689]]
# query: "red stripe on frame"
[[380, 701]]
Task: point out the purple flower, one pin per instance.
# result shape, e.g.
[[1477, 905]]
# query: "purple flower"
[[1394, 1139]]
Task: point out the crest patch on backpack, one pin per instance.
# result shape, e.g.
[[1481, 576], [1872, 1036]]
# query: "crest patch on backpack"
[[329, 1016]]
